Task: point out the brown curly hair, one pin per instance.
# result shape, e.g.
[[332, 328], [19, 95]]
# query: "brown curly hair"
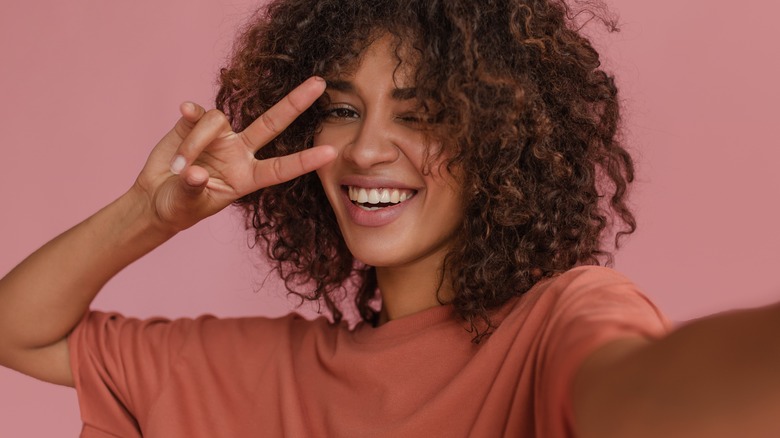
[[526, 114]]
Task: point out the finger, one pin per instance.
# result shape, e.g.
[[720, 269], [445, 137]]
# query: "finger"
[[190, 114], [279, 116], [195, 178], [280, 169], [190, 185], [191, 111], [208, 127]]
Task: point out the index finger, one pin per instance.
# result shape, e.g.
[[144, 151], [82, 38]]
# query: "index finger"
[[280, 169], [272, 122]]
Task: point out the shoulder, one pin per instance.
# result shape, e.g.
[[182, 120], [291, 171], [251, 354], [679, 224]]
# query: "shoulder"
[[591, 295], [560, 321], [587, 277], [588, 284], [113, 330]]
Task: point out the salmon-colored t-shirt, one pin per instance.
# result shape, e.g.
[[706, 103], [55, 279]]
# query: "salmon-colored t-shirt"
[[417, 376]]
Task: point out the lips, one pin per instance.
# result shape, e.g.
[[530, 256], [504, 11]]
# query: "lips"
[[375, 203]]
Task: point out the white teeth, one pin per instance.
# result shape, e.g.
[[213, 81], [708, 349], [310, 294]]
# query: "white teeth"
[[362, 195], [373, 196]]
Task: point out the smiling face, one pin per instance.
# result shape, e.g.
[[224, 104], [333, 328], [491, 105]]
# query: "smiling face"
[[391, 213]]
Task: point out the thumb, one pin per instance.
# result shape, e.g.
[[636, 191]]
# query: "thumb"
[[192, 181], [179, 202]]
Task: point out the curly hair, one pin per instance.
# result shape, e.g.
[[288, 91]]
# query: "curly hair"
[[527, 116]]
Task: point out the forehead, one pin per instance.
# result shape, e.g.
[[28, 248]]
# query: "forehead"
[[385, 53]]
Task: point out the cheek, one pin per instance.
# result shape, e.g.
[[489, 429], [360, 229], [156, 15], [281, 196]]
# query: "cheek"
[[451, 178], [430, 158], [335, 134], [448, 188], [323, 174], [326, 175]]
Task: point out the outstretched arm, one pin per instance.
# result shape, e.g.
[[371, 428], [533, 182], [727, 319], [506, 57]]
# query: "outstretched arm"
[[196, 170], [716, 377]]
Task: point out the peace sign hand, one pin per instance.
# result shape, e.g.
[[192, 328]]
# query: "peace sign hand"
[[201, 165]]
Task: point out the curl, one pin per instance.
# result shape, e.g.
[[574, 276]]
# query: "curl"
[[526, 115]]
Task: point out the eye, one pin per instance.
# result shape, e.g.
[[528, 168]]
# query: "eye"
[[340, 113], [417, 119], [412, 118]]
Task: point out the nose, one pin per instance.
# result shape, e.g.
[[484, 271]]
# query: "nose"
[[372, 145]]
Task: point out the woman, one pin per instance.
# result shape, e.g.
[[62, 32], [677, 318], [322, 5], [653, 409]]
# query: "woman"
[[467, 149]]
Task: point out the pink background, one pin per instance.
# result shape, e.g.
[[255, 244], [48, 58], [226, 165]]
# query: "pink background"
[[89, 86]]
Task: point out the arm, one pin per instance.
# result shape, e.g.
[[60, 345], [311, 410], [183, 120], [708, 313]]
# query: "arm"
[[196, 170], [45, 296], [715, 377]]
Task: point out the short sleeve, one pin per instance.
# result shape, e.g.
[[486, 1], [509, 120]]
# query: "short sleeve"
[[590, 307], [119, 366]]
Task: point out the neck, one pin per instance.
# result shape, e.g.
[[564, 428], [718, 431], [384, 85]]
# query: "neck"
[[412, 288]]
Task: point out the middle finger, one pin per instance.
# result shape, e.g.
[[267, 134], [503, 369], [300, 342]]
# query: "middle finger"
[[272, 122]]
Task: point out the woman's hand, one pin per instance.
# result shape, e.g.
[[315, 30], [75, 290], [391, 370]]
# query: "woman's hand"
[[197, 169], [201, 165]]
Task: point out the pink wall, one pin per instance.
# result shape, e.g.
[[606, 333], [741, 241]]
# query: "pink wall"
[[89, 86]]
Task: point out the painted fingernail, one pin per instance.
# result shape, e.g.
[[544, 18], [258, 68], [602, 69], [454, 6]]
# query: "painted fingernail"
[[177, 165]]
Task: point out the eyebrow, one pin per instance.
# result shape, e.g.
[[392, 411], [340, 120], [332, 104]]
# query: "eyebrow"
[[408, 93], [404, 93]]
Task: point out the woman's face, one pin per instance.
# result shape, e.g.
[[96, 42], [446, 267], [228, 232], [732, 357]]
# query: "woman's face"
[[390, 212]]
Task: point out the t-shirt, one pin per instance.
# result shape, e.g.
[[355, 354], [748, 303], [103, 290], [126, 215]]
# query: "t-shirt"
[[416, 376]]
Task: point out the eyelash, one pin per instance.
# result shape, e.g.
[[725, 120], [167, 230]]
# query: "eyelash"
[[340, 112], [411, 119]]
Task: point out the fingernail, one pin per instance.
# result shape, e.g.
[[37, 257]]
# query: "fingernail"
[[189, 106], [319, 79], [177, 165]]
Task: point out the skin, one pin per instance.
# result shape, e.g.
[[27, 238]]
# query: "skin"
[[45, 296], [374, 123], [716, 377]]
